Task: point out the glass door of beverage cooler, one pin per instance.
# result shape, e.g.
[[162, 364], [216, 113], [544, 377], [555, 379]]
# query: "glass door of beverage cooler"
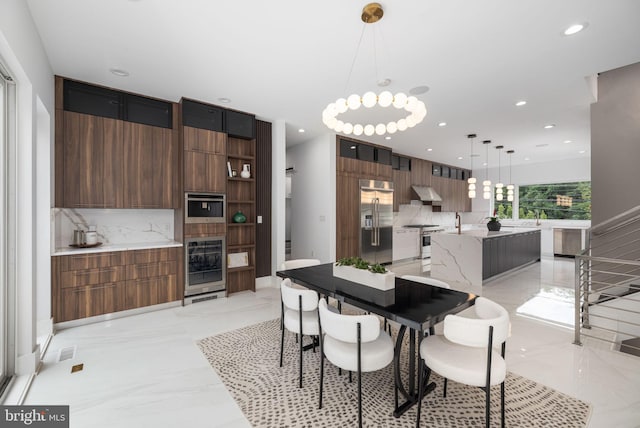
[[205, 265]]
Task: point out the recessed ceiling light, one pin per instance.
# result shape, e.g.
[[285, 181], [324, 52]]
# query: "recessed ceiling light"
[[352, 147], [475, 155], [441, 124], [542, 145], [459, 157], [384, 82], [419, 90], [582, 151], [521, 103], [224, 100], [567, 141], [429, 150], [575, 28], [549, 126], [301, 131], [387, 138], [119, 72], [484, 164], [526, 159]]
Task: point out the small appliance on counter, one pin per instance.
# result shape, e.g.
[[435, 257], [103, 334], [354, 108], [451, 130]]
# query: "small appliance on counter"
[[88, 239]]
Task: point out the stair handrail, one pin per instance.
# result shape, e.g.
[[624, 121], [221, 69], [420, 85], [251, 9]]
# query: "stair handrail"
[[616, 222]]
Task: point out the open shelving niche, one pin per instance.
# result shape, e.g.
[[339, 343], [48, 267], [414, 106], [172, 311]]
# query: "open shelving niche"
[[241, 196]]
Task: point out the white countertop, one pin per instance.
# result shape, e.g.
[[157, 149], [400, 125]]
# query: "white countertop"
[[485, 233], [65, 251]]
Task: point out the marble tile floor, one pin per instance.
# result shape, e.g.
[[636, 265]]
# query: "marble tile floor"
[[146, 370]]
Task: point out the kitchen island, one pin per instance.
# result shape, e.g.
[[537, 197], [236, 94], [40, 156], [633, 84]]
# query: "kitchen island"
[[476, 256]]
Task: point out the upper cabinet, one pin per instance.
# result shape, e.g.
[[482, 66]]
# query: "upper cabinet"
[[214, 118], [114, 149], [205, 160], [242, 125]]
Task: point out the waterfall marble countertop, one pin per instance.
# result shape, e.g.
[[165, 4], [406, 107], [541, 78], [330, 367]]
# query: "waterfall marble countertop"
[[485, 233], [65, 251]]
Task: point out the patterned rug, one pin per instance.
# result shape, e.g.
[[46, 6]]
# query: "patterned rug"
[[247, 360]]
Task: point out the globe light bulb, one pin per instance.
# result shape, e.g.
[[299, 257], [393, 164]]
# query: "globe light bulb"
[[381, 129], [369, 130], [399, 100], [385, 99], [369, 99], [358, 129], [354, 102]]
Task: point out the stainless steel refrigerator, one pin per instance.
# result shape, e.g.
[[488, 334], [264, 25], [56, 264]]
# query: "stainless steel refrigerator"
[[376, 221]]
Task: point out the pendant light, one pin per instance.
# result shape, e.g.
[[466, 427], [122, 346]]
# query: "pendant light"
[[510, 186], [472, 180], [499, 184], [486, 184]]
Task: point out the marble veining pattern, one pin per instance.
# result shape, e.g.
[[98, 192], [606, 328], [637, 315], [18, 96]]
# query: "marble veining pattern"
[[146, 370], [114, 226]]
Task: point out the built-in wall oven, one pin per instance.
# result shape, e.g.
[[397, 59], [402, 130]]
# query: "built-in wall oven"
[[204, 208], [204, 268]]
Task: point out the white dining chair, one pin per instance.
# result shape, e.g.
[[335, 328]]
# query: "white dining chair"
[[298, 263], [300, 316], [466, 353], [353, 342]]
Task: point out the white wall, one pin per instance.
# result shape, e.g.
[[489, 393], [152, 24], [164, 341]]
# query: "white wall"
[[23, 53], [313, 198], [615, 147]]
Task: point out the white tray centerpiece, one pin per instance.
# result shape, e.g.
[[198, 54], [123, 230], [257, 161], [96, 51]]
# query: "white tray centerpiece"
[[361, 271]]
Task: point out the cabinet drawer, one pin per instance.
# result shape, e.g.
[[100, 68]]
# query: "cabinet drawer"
[[91, 261], [102, 275], [201, 230], [89, 301], [150, 291], [152, 255], [149, 270]]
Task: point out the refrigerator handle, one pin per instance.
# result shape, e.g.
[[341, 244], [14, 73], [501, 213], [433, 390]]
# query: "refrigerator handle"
[[376, 221], [373, 223]]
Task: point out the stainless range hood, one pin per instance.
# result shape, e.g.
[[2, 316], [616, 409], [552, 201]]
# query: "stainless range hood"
[[426, 194]]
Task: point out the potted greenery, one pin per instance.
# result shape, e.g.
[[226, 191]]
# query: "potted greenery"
[[494, 222], [361, 271]]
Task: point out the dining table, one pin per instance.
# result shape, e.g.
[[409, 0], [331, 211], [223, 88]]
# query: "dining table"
[[413, 305]]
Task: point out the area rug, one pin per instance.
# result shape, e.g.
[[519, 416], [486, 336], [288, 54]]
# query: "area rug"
[[247, 360]]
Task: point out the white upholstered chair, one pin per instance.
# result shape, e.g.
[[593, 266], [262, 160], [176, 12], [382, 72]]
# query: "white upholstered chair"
[[298, 263], [353, 342], [466, 353], [300, 315]]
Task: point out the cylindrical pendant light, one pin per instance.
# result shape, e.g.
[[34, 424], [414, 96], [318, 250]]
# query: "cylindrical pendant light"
[[499, 184], [472, 180], [486, 184], [510, 186]]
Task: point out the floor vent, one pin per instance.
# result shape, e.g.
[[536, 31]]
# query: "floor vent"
[[68, 353], [202, 299]]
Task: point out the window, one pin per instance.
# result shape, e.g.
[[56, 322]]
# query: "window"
[[560, 201]]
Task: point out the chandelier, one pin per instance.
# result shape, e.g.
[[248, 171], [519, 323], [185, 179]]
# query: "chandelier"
[[415, 109], [510, 186], [486, 189], [472, 180]]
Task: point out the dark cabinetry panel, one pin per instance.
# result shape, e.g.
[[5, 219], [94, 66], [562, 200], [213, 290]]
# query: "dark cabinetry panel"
[[147, 111], [203, 116], [503, 253], [240, 124]]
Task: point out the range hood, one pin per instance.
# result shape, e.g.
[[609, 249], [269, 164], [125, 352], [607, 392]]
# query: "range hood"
[[426, 194]]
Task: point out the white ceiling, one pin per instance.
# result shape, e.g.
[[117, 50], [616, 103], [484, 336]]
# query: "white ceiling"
[[287, 59]]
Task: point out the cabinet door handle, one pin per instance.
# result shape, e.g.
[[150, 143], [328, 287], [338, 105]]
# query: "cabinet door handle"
[[106, 270], [84, 289]]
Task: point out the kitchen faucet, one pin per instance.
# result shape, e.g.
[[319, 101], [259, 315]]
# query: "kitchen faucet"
[[458, 223], [537, 217]]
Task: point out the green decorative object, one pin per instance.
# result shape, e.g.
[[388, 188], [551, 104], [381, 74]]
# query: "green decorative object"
[[239, 217]]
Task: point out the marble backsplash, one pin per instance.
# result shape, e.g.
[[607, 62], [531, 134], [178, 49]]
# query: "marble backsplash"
[[417, 213], [123, 226]]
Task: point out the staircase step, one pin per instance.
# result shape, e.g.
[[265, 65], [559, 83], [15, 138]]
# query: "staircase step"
[[631, 346]]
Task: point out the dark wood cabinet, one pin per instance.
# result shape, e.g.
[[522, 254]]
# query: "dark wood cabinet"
[[104, 161], [205, 160], [150, 167], [87, 285], [92, 158]]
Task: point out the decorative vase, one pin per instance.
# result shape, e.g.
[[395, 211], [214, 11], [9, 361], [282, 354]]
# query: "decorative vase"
[[494, 225], [245, 173], [239, 217]]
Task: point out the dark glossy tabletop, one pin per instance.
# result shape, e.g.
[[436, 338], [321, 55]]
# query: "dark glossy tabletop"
[[416, 305]]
